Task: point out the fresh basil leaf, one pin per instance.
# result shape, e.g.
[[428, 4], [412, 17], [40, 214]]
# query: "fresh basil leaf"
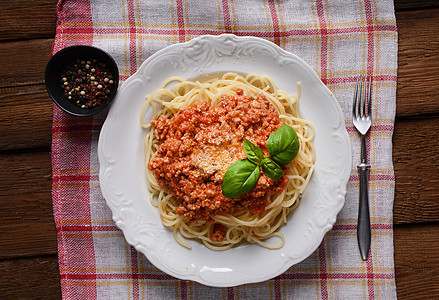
[[253, 152], [240, 178], [271, 169], [283, 145]]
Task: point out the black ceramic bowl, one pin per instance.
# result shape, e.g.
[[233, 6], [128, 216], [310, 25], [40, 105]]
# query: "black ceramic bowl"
[[65, 57]]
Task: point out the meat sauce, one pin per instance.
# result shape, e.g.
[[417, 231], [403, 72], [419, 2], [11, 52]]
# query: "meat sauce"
[[200, 142]]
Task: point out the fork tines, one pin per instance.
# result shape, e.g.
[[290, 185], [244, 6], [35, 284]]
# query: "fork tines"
[[362, 98]]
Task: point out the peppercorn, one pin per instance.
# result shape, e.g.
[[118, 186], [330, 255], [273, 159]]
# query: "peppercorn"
[[90, 81]]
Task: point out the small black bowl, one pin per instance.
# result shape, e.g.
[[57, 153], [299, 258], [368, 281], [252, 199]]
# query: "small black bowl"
[[65, 57]]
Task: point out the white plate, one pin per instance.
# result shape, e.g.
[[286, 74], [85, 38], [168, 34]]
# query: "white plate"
[[122, 166]]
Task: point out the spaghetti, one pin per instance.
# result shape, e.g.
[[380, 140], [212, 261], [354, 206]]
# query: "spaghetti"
[[235, 224]]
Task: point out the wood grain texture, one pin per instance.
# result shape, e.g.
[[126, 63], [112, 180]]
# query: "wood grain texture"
[[28, 261], [416, 90], [418, 62], [417, 261], [25, 117], [418, 73], [27, 208], [20, 20], [27, 227], [403, 5], [24, 67], [30, 278], [416, 166]]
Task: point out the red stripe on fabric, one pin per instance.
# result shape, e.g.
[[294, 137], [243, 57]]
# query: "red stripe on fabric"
[[81, 195], [120, 276], [85, 24], [183, 289], [79, 228], [349, 276], [353, 79], [80, 202], [265, 34], [85, 29], [60, 40], [377, 177], [69, 178], [370, 275], [123, 77], [334, 31], [382, 127], [75, 128], [323, 41], [132, 37], [226, 17], [323, 275], [277, 293], [64, 276], [370, 68], [135, 272], [323, 75], [230, 293], [275, 20], [369, 59], [181, 27], [282, 34], [370, 37], [353, 227], [368, 148], [375, 128]]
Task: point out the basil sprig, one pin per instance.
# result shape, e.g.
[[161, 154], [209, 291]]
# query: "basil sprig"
[[271, 169], [253, 152], [283, 145], [242, 176]]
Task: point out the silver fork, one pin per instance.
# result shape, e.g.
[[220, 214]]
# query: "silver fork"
[[361, 117]]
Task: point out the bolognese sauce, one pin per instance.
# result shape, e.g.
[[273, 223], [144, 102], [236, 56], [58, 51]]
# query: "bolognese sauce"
[[200, 142]]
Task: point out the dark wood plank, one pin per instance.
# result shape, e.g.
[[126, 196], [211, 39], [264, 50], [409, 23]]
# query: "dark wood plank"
[[417, 261], [29, 201], [26, 66], [402, 5], [25, 117], [22, 19], [27, 227], [418, 62], [416, 255], [30, 278], [416, 92], [28, 239], [417, 75], [416, 165], [26, 209]]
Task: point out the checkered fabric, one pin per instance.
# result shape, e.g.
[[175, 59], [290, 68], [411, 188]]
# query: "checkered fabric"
[[338, 39]]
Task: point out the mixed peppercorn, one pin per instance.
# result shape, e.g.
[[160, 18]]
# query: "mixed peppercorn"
[[87, 83]]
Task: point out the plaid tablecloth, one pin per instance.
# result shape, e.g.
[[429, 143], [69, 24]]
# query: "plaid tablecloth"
[[338, 39]]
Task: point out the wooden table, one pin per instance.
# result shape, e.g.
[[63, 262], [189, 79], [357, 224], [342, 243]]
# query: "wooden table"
[[28, 250]]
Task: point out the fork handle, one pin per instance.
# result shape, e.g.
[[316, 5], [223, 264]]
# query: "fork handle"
[[363, 227]]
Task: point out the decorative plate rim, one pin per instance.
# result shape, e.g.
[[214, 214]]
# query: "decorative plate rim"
[[322, 200]]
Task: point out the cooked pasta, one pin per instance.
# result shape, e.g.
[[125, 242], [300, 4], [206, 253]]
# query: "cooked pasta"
[[177, 98]]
